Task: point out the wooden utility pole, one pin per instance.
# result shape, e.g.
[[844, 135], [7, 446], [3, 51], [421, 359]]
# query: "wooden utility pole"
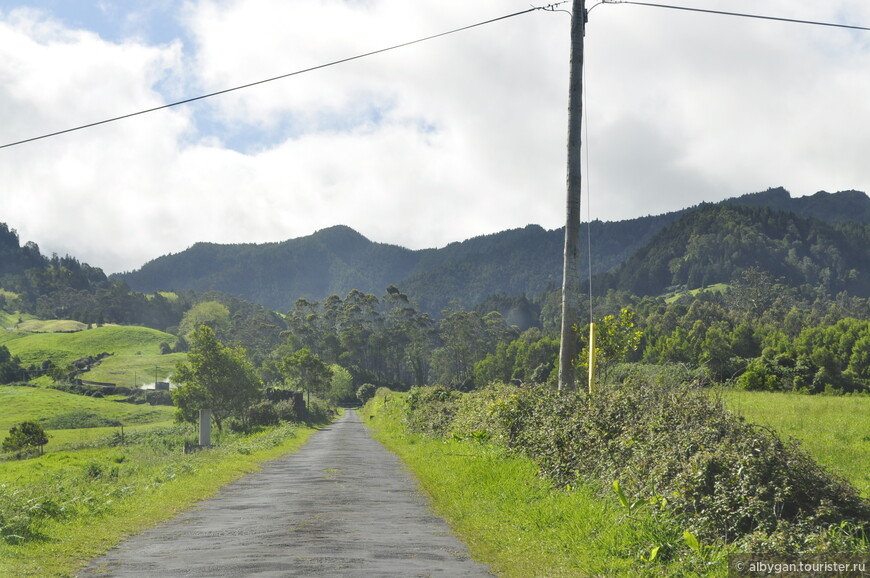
[[571, 270]]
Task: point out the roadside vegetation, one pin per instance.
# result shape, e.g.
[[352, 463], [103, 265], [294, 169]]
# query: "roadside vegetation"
[[675, 481], [62, 508], [521, 524], [511, 519]]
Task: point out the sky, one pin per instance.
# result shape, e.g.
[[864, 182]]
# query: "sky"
[[429, 144]]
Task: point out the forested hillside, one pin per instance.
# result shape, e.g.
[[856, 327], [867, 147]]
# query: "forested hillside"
[[333, 260], [715, 243], [831, 208], [527, 261], [32, 285]]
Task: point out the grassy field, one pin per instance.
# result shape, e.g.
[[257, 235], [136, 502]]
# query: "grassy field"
[[135, 370], [63, 508], [135, 359], [19, 404], [10, 320], [515, 522], [834, 430], [51, 326], [63, 348], [717, 288]]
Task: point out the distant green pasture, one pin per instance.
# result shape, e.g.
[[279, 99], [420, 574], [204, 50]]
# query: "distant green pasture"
[[716, 287], [19, 404], [51, 326], [66, 439], [835, 430], [133, 371], [63, 348]]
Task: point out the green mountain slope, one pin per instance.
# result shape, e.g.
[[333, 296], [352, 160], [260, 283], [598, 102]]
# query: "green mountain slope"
[[714, 244], [829, 207], [528, 260], [333, 260]]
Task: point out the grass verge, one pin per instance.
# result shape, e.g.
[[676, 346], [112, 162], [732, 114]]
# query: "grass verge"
[[62, 509], [514, 521]]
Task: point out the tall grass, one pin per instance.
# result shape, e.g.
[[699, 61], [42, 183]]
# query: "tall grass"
[[60, 510]]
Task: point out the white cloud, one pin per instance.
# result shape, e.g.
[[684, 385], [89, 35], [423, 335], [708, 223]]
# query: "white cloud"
[[421, 146]]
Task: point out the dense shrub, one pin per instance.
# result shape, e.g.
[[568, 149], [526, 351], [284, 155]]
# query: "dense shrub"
[[662, 439], [263, 413], [319, 413], [289, 410], [431, 409], [492, 412], [24, 439], [365, 392], [158, 397]]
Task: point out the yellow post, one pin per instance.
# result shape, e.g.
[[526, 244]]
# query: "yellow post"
[[591, 357]]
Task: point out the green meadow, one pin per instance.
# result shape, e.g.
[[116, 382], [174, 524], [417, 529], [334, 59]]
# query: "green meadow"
[[135, 359], [835, 430], [63, 348], [95, 485], [135, 370], [32, 403], [715, 288], [50, 326]]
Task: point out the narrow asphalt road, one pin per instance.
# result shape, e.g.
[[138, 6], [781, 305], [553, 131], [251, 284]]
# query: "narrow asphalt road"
[[342, 506]]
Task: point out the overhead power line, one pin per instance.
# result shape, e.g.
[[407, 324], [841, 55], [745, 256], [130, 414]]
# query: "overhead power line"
[[548, 7], [739, 14]]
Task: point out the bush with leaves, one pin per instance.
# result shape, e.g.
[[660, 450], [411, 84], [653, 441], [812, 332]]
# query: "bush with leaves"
[[492, 412], [10, 367], [430, 410], [365, 392], [214, 377], [25, 438], [292, 409], [727, 480], [263, 413]]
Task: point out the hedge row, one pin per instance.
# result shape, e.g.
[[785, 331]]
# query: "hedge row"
[[666, 443]]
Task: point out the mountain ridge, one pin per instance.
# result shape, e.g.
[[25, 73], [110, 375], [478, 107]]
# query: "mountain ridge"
[[525, 260]]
